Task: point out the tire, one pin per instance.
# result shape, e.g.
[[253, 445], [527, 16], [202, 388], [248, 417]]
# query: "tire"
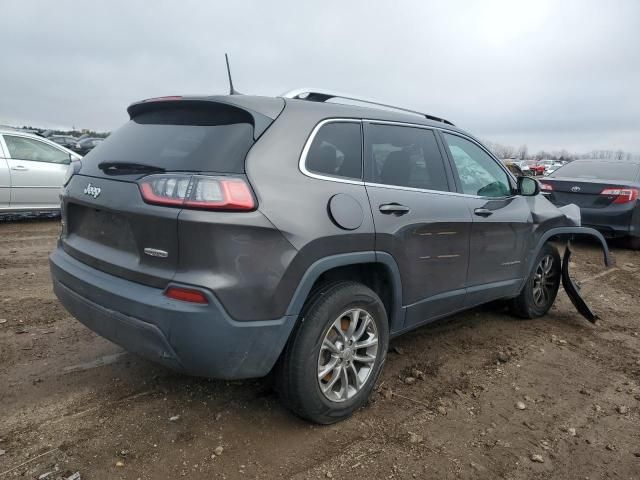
[[298, 371], [531, 303]]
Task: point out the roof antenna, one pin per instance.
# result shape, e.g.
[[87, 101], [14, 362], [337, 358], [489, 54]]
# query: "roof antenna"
[[232, 91]]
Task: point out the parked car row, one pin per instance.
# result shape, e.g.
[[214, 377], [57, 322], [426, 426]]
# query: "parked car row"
[[533, 167]]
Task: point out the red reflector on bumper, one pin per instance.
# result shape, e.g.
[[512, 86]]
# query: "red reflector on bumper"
[[186, 295]]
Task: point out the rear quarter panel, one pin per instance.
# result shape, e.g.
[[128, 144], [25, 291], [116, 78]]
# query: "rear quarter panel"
[[296, 204]]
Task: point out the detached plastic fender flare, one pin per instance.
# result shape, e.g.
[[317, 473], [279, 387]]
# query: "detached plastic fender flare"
[[573, 231], [572, 290]]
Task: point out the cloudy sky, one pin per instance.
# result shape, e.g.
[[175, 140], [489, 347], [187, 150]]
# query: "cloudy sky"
[[552, 75]]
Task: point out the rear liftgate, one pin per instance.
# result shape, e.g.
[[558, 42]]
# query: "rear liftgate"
[[573, 290]]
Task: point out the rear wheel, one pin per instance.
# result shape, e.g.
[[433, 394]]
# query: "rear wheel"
[[335, 355], [541, 288]]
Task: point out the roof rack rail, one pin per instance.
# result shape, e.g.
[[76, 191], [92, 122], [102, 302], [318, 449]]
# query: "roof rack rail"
[[319, 95]]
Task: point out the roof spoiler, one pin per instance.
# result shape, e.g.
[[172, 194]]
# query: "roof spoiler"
[[261, 121]]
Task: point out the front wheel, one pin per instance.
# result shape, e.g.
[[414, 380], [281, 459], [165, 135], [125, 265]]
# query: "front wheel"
[[541, 288], [336, 353]]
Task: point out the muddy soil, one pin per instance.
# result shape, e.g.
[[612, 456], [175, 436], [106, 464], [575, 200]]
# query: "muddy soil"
[[71, 401]]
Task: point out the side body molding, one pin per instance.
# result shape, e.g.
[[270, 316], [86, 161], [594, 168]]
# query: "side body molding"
[[324, 264]]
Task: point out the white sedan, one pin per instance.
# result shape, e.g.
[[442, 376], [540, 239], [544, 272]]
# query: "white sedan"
[[32, 172]]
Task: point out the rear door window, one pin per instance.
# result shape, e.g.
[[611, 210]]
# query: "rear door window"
[[404, 156], [336, 151], [213, 138]]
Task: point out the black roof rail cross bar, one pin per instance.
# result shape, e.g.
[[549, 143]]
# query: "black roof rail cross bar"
[[319, 95]]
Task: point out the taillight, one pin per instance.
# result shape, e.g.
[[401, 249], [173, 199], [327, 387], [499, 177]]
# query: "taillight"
[[198, 191], [546, 187], [186, 295], [622, 195]]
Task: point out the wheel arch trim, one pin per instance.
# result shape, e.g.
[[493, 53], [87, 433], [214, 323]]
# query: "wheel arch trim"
[[567, 231], [396, 317]]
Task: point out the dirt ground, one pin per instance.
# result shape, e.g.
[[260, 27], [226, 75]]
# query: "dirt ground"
[[73, 402]]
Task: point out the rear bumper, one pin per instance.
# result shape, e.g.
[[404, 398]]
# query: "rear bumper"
[[613, 221], [199, 340]]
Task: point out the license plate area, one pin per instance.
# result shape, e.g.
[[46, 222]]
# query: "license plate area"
[[100, 226]]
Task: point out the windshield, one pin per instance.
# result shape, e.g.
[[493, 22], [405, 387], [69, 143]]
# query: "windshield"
[[598, 171]]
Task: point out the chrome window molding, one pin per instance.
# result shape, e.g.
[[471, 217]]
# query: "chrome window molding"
[[305, 151], [307, 146]]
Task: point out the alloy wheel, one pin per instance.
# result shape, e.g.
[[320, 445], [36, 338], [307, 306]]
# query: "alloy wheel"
[[543, 281], [347, 355]]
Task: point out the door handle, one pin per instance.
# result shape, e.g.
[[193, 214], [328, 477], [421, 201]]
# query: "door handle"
[[20, 168], [483, 212], [394, 209]]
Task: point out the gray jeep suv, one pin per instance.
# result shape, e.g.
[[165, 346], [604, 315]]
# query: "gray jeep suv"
[[231, 236]]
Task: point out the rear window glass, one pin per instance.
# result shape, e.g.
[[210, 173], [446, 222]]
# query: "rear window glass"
[[188, 139], [598, 171], [337, 151], [404, 156]]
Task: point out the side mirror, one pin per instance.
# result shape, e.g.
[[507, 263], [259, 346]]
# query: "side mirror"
[[528, 187]]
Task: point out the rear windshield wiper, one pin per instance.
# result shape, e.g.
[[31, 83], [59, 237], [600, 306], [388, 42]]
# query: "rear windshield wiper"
[[127, 168]]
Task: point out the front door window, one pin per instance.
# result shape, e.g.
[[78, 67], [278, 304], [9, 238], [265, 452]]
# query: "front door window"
[[479, 173]]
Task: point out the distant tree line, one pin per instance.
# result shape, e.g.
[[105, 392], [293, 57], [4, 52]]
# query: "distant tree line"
[[522, 153]]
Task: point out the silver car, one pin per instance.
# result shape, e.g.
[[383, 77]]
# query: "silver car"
[[32, 172]]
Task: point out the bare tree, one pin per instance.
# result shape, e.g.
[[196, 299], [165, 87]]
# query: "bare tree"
[[522, 152]]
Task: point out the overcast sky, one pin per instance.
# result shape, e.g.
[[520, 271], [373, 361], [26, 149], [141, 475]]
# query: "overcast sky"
[[552, 75]]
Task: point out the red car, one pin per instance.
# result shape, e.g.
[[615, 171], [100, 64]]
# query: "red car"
[[536, 168]]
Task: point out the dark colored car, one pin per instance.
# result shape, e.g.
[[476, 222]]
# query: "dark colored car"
[[606, 192], [85, 145], [229, 236], [64, 140]]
